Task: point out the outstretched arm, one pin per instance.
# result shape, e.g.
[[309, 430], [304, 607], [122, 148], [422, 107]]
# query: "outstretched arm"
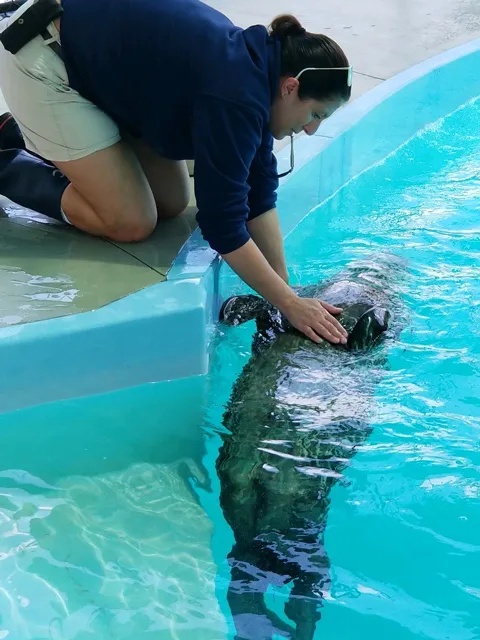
[[265, 232], [226, 139]]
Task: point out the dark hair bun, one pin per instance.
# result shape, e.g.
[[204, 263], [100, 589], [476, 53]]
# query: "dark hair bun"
[[285, 26]]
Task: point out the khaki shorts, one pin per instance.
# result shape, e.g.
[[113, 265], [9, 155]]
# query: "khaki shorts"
[[56, 121]]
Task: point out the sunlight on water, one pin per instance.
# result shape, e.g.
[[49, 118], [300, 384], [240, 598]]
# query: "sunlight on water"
[[101, 532], [404, 537]]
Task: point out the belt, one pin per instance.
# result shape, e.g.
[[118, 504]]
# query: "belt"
[[53, 44]]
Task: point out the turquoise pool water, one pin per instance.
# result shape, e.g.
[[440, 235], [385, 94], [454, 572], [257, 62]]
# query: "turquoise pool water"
[[403, 538], [110, 525]]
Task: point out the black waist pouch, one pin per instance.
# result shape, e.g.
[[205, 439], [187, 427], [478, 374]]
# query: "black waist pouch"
[[32, 23]]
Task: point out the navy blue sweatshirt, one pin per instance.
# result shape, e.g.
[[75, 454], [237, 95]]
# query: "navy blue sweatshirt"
[[192, 85]]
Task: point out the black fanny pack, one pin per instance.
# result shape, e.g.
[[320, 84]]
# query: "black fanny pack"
[[32, 23]]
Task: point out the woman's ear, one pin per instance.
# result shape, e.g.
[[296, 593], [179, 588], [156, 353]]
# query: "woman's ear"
[[288, 86]]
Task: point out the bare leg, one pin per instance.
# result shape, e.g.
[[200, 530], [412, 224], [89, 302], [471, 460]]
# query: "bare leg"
[[110, 192], [168, 179], [120, 192], [109, 195]]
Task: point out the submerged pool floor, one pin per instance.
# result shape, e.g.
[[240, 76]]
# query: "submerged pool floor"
[[110, 525]]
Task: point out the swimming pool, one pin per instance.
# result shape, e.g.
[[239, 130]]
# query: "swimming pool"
[[110, 525], [402, 536]]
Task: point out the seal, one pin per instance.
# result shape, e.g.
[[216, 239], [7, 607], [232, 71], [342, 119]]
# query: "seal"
[[297, 414]]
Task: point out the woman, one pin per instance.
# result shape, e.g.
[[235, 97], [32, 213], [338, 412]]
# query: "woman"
[[118, 94]]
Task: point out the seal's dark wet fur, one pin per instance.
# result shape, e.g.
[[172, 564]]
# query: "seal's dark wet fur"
[[298, 412]]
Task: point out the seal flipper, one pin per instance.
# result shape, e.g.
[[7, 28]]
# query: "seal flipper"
[[245, 595], [239, 309], [368, 328]]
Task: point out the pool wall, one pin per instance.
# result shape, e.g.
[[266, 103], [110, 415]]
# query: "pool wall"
[[163, 332]]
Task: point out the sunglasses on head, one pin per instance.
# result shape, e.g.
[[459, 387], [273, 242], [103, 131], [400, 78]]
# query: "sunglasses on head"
[[349, 69], [349, 84]]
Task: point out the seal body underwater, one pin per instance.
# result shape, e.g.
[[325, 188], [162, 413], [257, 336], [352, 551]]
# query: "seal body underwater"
[[297, 414]]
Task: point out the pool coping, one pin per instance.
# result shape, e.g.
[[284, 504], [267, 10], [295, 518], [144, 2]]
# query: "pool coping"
[[163, 331]]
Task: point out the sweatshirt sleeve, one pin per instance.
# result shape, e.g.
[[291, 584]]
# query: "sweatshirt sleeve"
[[263, 179], [226, 138]]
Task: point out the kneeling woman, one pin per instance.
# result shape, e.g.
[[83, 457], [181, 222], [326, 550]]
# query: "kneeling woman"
[[117, 95]]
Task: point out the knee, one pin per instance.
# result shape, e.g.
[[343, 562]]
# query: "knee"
[[174, 206], [130, 231]]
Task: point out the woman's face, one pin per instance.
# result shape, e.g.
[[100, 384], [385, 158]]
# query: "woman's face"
[[290, 115]]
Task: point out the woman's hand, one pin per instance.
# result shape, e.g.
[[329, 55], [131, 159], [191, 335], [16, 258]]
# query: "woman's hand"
[[313, 318], [309, 315]]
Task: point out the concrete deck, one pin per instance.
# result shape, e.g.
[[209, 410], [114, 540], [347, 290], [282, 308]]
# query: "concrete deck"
[[49, 270], [380, 37]]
